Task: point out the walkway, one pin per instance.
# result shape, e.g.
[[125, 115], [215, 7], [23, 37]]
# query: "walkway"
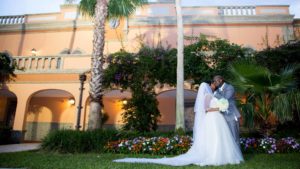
[[19, 147]]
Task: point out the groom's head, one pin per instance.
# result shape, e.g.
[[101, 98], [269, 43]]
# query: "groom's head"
[[218, 80]]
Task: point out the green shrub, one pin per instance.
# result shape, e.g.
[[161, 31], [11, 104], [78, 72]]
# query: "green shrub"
[[72, 141]]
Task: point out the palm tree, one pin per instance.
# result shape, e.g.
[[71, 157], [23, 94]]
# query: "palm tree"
[[7, 68], [99, 10], [267, 94], [180, 70]]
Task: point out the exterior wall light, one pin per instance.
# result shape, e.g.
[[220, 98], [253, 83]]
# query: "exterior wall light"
[[124, 102], [71, 101], [33, 52]]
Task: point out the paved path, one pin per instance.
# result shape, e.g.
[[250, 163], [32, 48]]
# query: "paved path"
[[19, 147]]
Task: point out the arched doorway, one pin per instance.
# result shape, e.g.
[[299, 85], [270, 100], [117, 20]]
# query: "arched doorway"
[[8, 105], [167, 107], [112, 107], [49, 110]]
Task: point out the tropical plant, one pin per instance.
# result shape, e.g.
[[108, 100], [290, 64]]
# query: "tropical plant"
[[100, 10], [7, 68], [267, 95]]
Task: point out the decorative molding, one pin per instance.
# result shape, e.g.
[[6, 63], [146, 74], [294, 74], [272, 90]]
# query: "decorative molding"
[[44, 82], [45, 26], [49, 71], [171, 20]]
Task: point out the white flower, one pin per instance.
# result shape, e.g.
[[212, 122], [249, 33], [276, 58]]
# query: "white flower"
[[223, 104]]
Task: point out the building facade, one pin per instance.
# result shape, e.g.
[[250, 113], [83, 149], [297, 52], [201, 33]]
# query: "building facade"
[[55, 48]]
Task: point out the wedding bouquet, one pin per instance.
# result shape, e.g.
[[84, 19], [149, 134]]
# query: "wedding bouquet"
[[223, 104]]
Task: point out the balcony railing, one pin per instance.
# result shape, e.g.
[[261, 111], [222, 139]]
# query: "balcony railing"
[[17, 19], [35, 63], [70, 63], [236, 10]]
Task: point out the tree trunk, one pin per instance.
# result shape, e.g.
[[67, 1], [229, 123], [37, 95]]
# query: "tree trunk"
[[180, 70], [97, 62]]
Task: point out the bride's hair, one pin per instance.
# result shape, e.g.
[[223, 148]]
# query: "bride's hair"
[[208, 82]]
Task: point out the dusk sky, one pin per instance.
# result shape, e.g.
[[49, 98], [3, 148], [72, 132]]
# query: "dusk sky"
[[20, 7]]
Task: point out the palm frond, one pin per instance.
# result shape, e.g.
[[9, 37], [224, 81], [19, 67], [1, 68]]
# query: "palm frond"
[[116, 8], [287, 77], [248, 114], [87, 7], [282, 107], [120, 8], [246, 75], [295, 99]]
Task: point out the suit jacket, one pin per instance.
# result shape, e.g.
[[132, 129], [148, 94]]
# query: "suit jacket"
[[229, 94]]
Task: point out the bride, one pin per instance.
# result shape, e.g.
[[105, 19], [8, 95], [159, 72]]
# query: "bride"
[[213, 143]]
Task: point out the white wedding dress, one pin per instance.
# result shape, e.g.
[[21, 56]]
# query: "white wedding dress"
[[213, 143]]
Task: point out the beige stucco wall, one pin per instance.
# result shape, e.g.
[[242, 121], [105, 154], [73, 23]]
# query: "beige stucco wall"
[[113, 108], [50, 109], [53, 42], [251, 35], [25, 91], [53, 38], [45, 42]]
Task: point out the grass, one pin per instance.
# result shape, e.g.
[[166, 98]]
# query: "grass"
[[42, 160]]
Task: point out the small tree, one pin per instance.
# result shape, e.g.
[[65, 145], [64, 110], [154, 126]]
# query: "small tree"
[[206, 58], [139, 73]]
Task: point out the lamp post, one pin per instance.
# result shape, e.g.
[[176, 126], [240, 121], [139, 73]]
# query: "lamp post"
[[82, 78]]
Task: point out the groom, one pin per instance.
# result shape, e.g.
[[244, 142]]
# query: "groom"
[[232, 116]]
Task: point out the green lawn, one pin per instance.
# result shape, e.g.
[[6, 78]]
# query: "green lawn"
[[42, 160]]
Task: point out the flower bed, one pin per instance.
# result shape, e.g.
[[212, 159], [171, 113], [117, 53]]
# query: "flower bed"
[[181, 144], [153, 145]]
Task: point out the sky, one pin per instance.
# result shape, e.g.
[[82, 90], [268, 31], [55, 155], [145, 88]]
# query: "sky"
[[21, 7]]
